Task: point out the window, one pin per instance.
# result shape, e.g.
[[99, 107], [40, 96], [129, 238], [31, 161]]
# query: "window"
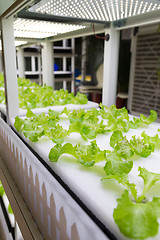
[[58, 64], [28, 65], [58, 44], [36, 63], [69, 67], [69, 42]]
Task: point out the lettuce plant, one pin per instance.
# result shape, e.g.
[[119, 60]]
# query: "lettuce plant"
[[137, 217], [1, 189], [87, 155]]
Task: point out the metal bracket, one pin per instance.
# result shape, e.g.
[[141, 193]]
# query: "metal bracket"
[[119, 23], [107, 37]]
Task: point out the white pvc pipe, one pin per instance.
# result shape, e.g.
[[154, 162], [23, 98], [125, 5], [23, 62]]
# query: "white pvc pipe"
[[73, 64], [9, 67], [20, 59], [48, 64], [110, 71]]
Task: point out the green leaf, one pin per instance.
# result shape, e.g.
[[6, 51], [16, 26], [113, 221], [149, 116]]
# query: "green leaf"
[[10, 209], [115, 138], [34, 135], [23, 82], [58, 150], [75, 127], [135, 123], [78, 127], [29, 125], [123, 179], [1, 80], [55, 153], [53, 114], [150, 119], [83, 116], [141, 148], [69, 149], [51, 122], [29, 113], [132, 124], [57, 134], [88, 155], [1, 189], [41, 119], [116, 166], [136, 220], [66, 111], [86, 125], [118, 119], [80, 98], [149, 179], [43, 96], [124, 149], [2, 96], [18, 123], [88, 131], [76, 115], [150, 140], [101, 128]]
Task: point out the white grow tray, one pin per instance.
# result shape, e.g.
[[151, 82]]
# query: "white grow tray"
[[23, 112], [57, 215], [99, 196]]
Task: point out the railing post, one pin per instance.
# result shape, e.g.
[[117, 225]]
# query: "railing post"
[[110, 71], [48, 64], [20, 59], [9, 67]]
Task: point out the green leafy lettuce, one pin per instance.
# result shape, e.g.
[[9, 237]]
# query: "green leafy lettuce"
[[1, 189], [135, 216], [87, 129], [141, 147], [149, 179], [136, 146], [87, 155], [118, 119], [34, 126], [137, 220], [43, 96], [2, 96], [57, 134], [116, 166], [10, 209], [1, 80]]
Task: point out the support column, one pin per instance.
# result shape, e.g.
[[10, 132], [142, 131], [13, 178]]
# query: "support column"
[[110, 71], [64, 69], [73, 64], [33, 64], [65, 44], [20, 59], [132, 70], [39, 67], [48, 64], [9, 67], [84, 58]]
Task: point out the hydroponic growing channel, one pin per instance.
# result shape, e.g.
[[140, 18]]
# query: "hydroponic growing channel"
[[80, 176]]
